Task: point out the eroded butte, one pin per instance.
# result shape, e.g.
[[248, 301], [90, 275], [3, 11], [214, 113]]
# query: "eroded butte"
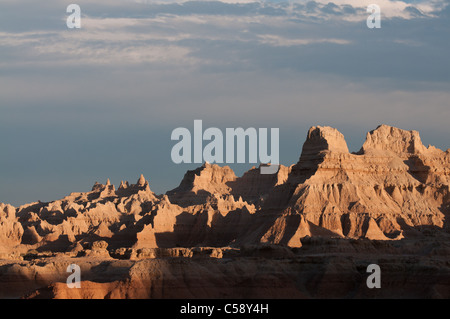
[[308, 231]]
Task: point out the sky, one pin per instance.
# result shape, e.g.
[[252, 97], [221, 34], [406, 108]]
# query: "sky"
[[82, 105]]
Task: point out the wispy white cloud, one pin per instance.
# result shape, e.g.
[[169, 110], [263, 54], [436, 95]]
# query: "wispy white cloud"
[[277, 40], [390, 8], [187, 34]]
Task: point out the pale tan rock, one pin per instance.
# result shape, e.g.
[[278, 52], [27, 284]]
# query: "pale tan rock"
[[391, 139], [373, 231], [324, 138], [202, 182], [141, 181], [11, 229]]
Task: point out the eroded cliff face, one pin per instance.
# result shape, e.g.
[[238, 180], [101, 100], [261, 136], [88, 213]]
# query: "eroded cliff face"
[[11, 230], [391, 189], [394, 190]]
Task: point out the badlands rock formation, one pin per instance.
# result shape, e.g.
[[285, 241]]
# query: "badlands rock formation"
[[390, 198]]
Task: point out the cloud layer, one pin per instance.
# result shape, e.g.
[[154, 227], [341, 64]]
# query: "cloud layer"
[[80, 105]]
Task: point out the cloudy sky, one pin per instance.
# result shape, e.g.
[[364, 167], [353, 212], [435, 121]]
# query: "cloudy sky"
[[83, 105]]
